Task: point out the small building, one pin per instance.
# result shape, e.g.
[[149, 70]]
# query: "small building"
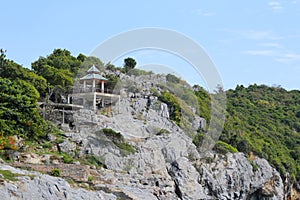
[[91, 92]]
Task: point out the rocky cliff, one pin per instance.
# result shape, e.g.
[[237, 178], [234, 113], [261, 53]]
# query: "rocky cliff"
[[164, 162]]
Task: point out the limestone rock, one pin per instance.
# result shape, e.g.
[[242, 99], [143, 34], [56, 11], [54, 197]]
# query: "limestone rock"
[[42, 186], [67, 147]]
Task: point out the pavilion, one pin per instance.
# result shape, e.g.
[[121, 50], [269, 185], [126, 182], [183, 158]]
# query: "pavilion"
[[91, 92]]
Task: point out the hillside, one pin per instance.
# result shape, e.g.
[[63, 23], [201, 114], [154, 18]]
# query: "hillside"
[[266, 121], [147, 143]]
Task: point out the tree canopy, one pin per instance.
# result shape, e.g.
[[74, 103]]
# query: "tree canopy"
[[59, 68], [129, 64], [18, 109], [264, 120]]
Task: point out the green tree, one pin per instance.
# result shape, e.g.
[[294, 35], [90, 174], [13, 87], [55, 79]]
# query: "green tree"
[[13, 71], [59, 69], [18, 109], [129, 64], [87, 63], [58, 63], [263, 120]]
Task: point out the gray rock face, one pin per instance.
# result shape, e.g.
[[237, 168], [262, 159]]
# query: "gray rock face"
[[44, 187], [199, 123], [166, 164], [67, 147], [233, 177]]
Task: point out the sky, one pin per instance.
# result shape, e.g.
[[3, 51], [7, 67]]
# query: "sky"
[[248, 41]]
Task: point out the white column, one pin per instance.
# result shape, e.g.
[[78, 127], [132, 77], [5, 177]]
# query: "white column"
[[94, 83], [68, 99], [84, 84], [94, 102], [102, 86]]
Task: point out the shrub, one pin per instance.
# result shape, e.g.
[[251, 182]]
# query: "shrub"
[[113, 135], [172, 78], [125, 147], [173, 105], [93, 160], [198, 139], [162, 131], [119, 140], [67, 158], [223, 148], [90, 178], [55, 172], [8, 175]]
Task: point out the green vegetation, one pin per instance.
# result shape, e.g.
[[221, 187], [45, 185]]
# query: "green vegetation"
[[172, 78], [174, 106], [92, 160], [55, 172], [125, 147], [163, 132], [139, 72], [261, 120], [112, 82], [254, 165], [90, 178], [8, 175], [129, 64], [67, 158], [203, 98], [18, 110], [118, 139], [198, 139], [113, 135], [265, 120], [223, 148]]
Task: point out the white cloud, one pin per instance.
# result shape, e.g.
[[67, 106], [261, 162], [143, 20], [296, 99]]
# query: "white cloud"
[[279, 55], [288, 58], [260, 35], [276, 6], [259, 52], [204, 13], [270, 44]]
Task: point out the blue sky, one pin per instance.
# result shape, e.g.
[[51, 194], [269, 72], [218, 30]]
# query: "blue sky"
[[249, 41]]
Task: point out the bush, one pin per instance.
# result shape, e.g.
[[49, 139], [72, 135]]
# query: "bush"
[[173, 105], [55, 172], [125, 147], [8, 175], [93, 160], [163, 131], [67, 158], [139, 72], [172, 78], [223, 148], [198, 139], [113, 135], [90, 178]]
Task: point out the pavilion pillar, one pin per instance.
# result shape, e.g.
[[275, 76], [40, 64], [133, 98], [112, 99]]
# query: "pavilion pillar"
[[94, 102], [94, 85], [84, 84], [102, 86]]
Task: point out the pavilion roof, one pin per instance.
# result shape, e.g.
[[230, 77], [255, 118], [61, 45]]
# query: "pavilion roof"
[[93, 73]]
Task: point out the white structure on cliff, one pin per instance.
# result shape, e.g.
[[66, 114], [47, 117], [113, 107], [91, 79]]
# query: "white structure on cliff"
[[91, 92]]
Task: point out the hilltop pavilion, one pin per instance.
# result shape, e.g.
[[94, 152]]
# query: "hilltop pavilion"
[[91, 92]]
